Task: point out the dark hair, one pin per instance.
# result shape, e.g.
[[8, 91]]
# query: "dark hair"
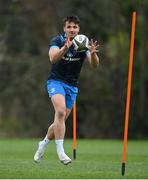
[[73, 18]]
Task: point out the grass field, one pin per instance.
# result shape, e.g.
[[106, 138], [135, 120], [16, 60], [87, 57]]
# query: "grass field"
[[96, 159]]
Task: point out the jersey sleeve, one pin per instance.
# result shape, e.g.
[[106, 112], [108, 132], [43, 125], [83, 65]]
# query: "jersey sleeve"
[[55, 42]]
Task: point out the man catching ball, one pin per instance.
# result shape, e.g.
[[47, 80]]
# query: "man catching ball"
[[62, 83]]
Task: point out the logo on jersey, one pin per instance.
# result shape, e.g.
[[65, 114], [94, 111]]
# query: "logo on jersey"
[[69, 54], [71, 59]]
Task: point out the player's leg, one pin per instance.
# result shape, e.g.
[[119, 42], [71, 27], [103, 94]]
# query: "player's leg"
[[59, 126], [70, 96], [50, 134], [58, 101], [48, 138], [54, 88], [59, 132]]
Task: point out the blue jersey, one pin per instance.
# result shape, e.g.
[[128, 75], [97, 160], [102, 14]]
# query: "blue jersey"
[[68, 68]]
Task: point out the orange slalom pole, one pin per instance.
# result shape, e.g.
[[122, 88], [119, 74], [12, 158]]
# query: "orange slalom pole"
[[74, 131], [128, 91]]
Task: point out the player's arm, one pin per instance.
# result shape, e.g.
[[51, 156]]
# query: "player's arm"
[[92, 56], [56, 53]]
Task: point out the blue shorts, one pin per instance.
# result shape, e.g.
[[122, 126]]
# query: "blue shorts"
[[59, 87]]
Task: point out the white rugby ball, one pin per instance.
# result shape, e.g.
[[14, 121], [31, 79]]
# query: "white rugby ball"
[[80, 42]]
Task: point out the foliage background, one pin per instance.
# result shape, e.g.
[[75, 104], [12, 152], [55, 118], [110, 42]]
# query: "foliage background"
[[26, 28]]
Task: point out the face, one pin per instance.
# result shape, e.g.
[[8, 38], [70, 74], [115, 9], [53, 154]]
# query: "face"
[[71, 29]]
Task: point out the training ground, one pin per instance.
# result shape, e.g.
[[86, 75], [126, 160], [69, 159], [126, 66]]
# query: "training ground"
[[96, 159]]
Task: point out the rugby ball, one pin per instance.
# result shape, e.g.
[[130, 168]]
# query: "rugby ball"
[[80, 42]]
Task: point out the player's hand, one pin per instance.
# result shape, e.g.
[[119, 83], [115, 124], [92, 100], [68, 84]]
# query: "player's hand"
[[93, 47], [68, 43]]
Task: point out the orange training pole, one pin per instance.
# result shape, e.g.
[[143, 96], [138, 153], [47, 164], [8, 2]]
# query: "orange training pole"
[[74, 131], [128, 91]]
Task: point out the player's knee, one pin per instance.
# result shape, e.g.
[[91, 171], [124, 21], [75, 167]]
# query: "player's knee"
[[61, 113]]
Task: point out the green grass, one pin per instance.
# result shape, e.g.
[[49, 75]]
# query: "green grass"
[[95, 159]]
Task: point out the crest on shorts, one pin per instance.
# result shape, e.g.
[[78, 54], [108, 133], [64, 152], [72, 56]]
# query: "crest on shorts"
[[52, 90]]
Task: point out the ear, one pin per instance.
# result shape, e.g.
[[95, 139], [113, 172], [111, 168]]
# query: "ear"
[[79, 28]]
